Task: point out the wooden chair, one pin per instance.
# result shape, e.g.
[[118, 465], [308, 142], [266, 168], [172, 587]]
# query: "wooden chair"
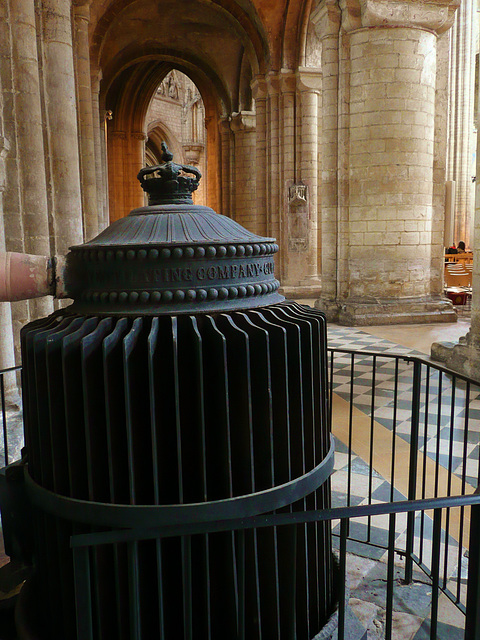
[[457, 278]]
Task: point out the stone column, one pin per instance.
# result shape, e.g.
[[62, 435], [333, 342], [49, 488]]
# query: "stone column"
[[117, 148], [60, 99], [292, 232], [273, 161], [440, 200], [226, 165], [25, 217], [327, 24], [29, 129], [464, 356], [81, 13], [212, 167], [460, 121], [390, 80], [259, 91], [243, 126], [287, 149], [99, 135], [135, 162], [8, 149], [7, 351], [303, 202]]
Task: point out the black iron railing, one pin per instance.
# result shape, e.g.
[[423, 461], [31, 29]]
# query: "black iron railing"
[[427, 420], [408, 440]]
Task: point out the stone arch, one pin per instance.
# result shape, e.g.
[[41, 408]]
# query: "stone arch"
[[159, 132], [129, 97], [294, 34], [223, 45]]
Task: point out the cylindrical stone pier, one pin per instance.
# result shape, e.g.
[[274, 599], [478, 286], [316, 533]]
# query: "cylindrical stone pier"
[[392, 109], [62, 121], [380, 157], [81, 12]]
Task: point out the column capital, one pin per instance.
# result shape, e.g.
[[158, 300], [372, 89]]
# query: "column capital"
[[288, 81], [120, 135], [437, 16], [139, 135], [224, 126], [259, 87], [273, 83], [95, 78], [81, 9], [243, 121], [283, 81], [309, 79], [193, 153], [327, 18]]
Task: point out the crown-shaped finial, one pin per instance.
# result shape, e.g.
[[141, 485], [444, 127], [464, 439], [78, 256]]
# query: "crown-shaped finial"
[[167, 183]]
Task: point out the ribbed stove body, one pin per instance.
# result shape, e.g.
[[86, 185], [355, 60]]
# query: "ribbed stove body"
[[178, 389]]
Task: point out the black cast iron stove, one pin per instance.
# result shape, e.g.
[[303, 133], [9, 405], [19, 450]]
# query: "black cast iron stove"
[[178, 389]]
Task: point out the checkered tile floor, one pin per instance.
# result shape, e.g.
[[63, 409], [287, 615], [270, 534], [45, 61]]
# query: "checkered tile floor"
[[442, 425], [435, 442]]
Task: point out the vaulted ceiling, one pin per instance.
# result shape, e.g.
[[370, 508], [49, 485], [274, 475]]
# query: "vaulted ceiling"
[[218, 43]]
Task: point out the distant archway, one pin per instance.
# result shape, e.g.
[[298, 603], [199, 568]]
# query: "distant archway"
[[176, 116], [220, 46], [130, 140]]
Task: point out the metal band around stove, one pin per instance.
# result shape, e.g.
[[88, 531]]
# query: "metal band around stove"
[[115, 515]]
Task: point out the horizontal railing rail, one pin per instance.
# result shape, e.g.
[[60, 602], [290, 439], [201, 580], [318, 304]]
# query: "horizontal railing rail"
[[265, 521]]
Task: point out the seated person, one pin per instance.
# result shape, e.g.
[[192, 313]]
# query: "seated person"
[[461, 247], [452, 249]]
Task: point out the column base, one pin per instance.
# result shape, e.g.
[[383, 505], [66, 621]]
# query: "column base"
[[307, 292], [462, 357], [311, 290], [381, 311]]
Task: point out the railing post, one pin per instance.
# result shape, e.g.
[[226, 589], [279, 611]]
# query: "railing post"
[[83, 596], [472, 620], [412, 469], [342, 592]]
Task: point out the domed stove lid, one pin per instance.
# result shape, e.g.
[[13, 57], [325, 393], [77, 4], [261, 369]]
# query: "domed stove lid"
[[172, 256]]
